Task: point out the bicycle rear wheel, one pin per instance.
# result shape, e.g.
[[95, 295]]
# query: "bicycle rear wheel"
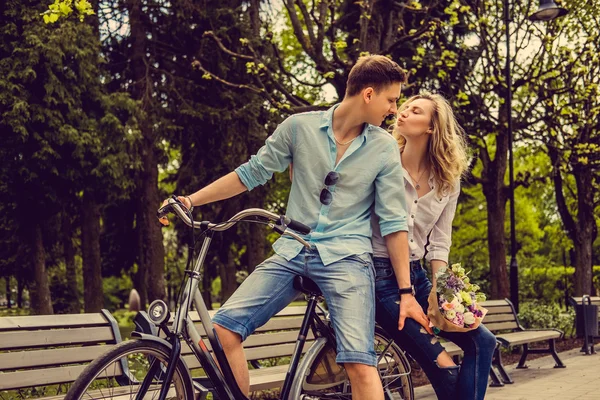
[[119, 374], [320, 377]]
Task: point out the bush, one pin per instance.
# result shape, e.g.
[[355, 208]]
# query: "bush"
[[551, 283], [539, 316]]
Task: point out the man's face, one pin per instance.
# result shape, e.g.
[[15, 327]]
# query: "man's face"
[[381, 103]]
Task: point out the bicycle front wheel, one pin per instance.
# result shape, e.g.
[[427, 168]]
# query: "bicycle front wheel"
[[320, 377], [134, 369]]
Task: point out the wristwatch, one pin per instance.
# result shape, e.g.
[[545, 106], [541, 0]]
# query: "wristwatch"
[[408, 290]]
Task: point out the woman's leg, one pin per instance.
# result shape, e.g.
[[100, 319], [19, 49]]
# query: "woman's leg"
[[478, 346], [414, 339]]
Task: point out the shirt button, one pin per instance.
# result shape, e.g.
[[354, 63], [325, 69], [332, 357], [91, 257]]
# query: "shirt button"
[[412, 255], [411, 240], [412, 216], [416, 201]]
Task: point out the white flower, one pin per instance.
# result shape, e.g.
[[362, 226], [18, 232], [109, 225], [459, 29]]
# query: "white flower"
[[459, 308], [450, 314], [469, 318]]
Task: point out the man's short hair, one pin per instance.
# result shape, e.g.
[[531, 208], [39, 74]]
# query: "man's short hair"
[[373, 71]]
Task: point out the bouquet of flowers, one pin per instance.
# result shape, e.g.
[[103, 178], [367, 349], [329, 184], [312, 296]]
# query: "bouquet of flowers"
[[454, 302]]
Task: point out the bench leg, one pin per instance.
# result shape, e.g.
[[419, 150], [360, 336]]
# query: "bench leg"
[[521, 364], [552, 347], [497, 362], [496, 382]]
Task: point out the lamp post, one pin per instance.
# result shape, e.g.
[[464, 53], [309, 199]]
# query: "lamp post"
[[547, 11]]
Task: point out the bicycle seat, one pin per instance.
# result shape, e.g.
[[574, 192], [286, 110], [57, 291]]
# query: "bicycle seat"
[[306, 285]]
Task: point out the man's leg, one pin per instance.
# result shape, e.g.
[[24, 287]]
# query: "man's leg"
[[263, 294], [365, 381], [234, 351], [348, 286]]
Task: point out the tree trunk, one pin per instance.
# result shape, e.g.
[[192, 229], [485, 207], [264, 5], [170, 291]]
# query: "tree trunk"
[[152, 252], [256, 247], [8, 305], [20, 289], [93, 294], [584, 238], [581, 230], [494, 191], [41, 302], [497, 249], [69, 255], [227, 272]]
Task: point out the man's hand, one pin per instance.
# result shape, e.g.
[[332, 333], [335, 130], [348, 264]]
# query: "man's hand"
[[410, 308], [186, 202]]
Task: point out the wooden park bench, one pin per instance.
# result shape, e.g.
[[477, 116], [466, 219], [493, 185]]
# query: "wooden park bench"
[[503, 322], [44, 353], [273, 341]]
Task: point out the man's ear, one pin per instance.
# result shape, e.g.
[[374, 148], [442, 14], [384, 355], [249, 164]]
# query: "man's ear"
[[368, 94]]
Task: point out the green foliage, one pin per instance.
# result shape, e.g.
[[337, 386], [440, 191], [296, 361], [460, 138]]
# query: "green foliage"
[[550, 283], [116, 291], [64, 8], [534, 315]]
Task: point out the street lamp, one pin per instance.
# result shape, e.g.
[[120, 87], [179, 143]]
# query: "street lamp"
[[547, 11]]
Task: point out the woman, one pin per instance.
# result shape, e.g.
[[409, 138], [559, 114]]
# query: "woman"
[[434, 158]]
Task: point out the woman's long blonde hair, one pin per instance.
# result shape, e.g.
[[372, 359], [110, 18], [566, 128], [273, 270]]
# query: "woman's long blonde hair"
[[447, 150]]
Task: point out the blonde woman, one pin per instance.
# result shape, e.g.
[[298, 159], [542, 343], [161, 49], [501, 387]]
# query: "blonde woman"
[[433, 158]]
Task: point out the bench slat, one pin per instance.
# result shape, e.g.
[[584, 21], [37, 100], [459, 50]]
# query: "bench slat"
[[452, 349], [58, 337], [518, 338], [500, 326], [53, 357], [498, 318], [505, 309], [48, 376], [493, 303], [51, 321]]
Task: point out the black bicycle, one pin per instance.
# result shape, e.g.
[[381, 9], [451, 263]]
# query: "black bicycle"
[[151, 367]]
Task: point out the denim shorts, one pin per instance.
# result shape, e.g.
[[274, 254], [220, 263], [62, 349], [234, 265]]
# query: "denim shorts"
[[348, 286]]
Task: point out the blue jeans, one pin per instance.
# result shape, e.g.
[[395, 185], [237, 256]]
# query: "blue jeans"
[[465, 383], [348, 286]]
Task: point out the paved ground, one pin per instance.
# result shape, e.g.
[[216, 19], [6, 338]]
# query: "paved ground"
[[579, 381]]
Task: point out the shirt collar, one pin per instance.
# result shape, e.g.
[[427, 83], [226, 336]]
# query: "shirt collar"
[[327, 119]]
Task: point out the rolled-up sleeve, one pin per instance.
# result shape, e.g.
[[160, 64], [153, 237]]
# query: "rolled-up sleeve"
[[440, 238], [390, 205], [274, 156]]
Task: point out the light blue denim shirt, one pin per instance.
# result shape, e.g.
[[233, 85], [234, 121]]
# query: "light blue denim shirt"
[[370, 171]]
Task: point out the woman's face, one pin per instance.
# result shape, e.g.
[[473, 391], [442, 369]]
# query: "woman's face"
[[415, 119]]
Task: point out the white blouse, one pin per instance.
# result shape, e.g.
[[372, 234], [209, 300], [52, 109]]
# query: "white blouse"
[[430, 216]]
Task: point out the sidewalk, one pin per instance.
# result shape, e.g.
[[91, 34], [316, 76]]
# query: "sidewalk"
[[579, 381]]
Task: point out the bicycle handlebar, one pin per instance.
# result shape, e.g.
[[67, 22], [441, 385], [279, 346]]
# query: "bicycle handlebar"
[[287, 222]]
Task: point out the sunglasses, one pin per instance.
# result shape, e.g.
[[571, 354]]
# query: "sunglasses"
[[326, 197]]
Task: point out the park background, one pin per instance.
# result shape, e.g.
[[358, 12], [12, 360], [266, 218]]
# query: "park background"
[[104, 115]]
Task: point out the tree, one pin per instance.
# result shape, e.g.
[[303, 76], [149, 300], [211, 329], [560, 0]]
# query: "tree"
[[569, 128]]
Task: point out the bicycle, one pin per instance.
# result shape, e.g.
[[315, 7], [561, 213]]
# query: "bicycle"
[[150, 366]]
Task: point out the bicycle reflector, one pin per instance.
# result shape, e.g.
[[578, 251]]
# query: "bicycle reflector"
[[158, 312]]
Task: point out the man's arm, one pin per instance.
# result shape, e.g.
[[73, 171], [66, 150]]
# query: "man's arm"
[[274, 156], [223, 188]]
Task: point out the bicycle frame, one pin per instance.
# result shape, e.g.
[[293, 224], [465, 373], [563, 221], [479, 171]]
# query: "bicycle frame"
[[222, 379]]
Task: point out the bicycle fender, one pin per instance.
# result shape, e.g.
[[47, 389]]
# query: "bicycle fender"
[[146, 336]]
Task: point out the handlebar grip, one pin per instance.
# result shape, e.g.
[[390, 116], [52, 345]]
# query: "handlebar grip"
[[163, 211], [297, 226]]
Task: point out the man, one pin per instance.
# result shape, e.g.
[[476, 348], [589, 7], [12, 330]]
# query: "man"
[[343, 162]]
